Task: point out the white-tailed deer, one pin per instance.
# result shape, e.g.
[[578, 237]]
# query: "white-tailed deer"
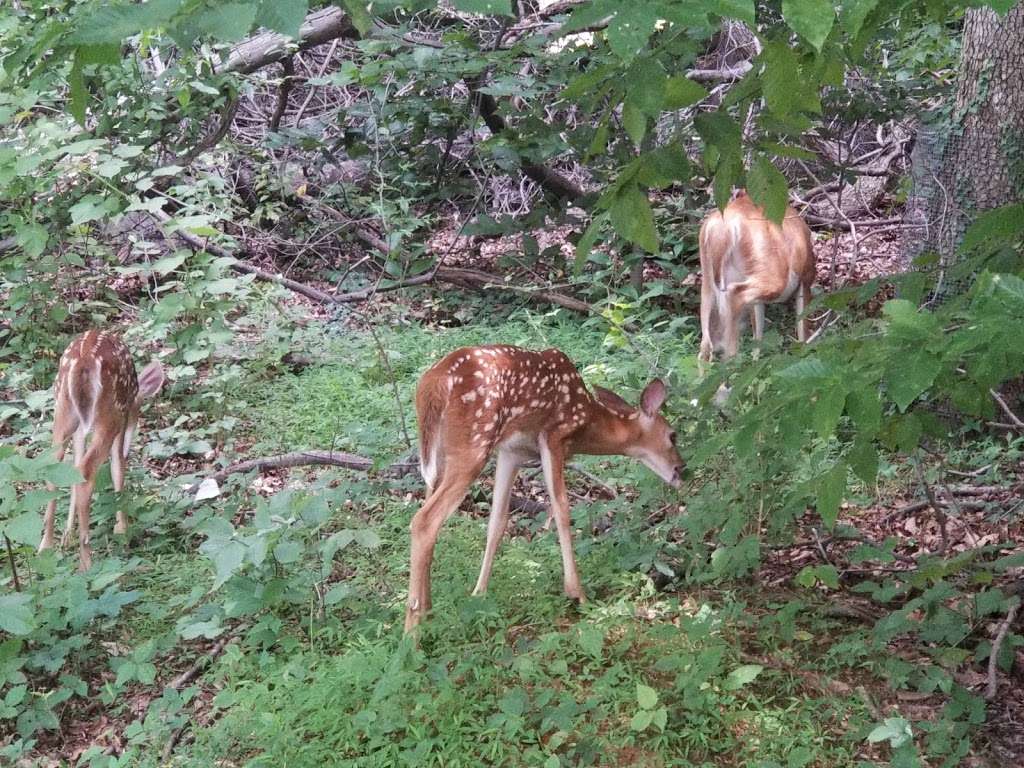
[[523, 405], [96, 391], [748, 261]]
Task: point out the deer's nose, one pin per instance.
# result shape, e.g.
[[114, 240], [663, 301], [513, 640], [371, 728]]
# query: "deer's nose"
[[677, 476]]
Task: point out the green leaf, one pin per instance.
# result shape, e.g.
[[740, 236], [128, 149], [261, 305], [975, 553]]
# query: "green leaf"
[[630, 28], [863, 458], [895, 729], [828, 408], [830, 489], [632, 217], [853, 14], [909, 375], [646, 696], [286, 16], [287, 551], [634, 121], [682, 92], [26, 528], [362, 18], [486, 7], [1000, 225], [742, 10], [77, 92], [767, 188], [337, 593], [113, 23], [592, 641], [811, 19], [16, 616], [586, 243], [741, 676], [779, 83], [641, 720], [224, 22]]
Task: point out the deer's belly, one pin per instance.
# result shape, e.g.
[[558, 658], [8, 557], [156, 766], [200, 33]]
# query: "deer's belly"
[[521, 444], [792, 281]]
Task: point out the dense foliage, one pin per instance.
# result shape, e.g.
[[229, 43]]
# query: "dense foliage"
[[122, 148]]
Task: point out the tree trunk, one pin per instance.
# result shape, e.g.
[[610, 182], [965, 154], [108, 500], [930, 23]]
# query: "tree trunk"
[[988, 122]]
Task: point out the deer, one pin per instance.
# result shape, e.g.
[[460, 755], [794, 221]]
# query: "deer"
[[96, 391], [521, 405], [748, 261]]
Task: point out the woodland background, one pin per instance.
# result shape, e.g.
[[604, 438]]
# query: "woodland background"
[[298, 207]]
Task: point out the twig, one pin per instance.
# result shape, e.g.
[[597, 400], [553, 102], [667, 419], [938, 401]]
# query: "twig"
[[1006, 409], [309, 96], [288, 67], [993, 656], [940, 514], [612, 493], [14, 569]]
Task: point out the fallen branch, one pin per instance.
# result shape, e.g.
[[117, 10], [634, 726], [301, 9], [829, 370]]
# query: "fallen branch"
[[1006, 409], [716, 75], [822, 221], [287, 81], [993, 655], [269, 47], [14, 568]]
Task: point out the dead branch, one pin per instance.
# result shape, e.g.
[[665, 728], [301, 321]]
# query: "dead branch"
[[287, 81], [551, 180], [266, 48], [209, 142], [1006, 409], [14, 568], [993, 656], [717, 75]]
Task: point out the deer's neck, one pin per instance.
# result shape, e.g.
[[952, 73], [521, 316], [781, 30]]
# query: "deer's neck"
[[605, 432]]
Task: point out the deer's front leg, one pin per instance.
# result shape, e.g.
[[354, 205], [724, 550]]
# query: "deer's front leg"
[[552, 460]]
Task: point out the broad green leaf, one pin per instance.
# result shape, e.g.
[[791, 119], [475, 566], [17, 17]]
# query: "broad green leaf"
[[224, 22], [780, 81], [77, 93], [828, 408], [853, 14], [286, 16], [26, 528], [909, 375], [663, 166], [645, 86], [485, 7], [366, 537], [633, 219], [641, 720], [630, 28], [592, 641], [830, 489], [863, 458], [646, 696], [586, 243], [895, 730], [634, 121], [740, 676], [865, 408], [742, 10], [113, 23], [767, 188], [811, 19], [337, 593], [1000, 225], [16, 615], [682, 92], [287, 551]]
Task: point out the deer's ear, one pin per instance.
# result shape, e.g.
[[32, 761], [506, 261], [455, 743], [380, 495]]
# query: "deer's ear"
[[151, 380], [609, 399], [653, 397]]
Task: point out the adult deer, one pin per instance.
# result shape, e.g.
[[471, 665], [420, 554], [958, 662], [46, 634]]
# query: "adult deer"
[[523, 405], [97, 391], [747, 261]]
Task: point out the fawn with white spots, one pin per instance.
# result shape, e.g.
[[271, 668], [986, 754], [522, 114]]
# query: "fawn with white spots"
[[746, 261], [97, 391], [523, 405]]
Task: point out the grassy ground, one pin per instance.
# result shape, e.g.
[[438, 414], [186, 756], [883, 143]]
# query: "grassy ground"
[[309, 666]]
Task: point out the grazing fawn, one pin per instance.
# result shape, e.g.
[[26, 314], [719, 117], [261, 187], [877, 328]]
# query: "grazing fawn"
[[747, 261], [523, 405], [96, 391]]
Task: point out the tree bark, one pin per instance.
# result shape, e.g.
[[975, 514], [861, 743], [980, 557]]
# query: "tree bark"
[[988, 122]]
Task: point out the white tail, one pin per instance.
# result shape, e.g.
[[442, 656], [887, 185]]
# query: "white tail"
[[748, 261], [524, 405], [96, 391]]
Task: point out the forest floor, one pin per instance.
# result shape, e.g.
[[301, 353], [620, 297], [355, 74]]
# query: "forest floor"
[[298, 659]]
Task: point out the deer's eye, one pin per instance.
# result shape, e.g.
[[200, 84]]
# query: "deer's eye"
[[672, 438]]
